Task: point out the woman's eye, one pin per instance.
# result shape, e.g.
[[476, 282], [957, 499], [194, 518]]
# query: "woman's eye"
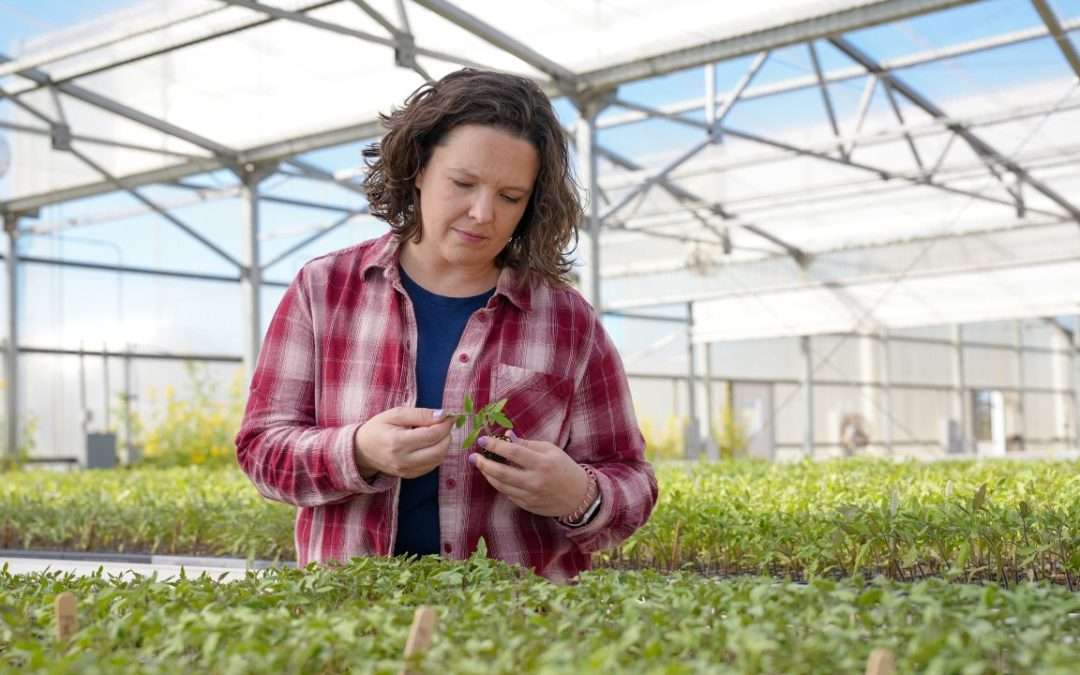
[[460, 184], [512, 200]]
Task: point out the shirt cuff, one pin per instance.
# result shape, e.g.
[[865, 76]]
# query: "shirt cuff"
[[344, 459]]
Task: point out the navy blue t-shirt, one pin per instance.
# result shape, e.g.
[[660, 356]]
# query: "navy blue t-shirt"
[[440, 321]]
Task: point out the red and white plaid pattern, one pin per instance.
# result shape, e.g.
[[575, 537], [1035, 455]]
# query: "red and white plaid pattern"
[[341, 348]]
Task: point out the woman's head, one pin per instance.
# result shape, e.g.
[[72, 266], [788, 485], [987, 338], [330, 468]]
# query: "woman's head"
[[501, 168]]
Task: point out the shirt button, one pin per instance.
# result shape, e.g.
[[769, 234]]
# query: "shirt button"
[[446, 547], [451, 483], [464, 358]]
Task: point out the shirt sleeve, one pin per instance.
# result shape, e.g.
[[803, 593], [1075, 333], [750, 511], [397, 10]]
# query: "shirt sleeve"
[[280, 446], [604, 434]]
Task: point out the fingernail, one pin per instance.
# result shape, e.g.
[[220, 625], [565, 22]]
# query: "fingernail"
[[439, 414], [512, 436], [483, 441], [472, 459]]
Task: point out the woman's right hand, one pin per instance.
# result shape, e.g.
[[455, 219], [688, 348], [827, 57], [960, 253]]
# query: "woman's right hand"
[[405, 442]]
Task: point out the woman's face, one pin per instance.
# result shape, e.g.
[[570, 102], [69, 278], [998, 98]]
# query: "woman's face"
[[473, 192]]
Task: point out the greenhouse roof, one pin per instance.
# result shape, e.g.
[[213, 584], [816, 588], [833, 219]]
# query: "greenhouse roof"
[[842, 167]]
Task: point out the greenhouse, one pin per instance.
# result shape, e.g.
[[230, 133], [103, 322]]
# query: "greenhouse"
[[832, 244]]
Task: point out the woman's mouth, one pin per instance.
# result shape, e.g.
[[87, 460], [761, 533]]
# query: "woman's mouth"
[[469, 236]]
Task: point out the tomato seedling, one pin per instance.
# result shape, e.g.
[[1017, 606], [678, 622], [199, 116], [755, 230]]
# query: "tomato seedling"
[[487, 419]]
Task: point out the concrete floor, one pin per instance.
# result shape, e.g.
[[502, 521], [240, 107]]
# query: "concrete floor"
[[165, 570]]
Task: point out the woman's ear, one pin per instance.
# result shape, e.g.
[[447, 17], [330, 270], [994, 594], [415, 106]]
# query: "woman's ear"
[[417, 184]]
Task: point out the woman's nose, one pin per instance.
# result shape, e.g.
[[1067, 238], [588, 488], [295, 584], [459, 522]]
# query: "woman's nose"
[[483, 207]]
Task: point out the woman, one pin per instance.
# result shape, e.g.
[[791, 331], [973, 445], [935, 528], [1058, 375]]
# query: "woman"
[[372, 347]]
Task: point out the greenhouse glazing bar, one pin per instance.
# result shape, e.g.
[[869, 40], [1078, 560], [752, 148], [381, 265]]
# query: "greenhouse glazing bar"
[[285, 149]]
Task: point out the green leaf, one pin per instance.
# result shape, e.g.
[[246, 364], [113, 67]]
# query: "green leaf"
[[502, 420], [460, 421], [469, 407], [497, 406], [471, 439]]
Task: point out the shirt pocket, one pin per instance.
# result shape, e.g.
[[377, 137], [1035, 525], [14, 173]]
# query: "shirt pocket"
[[538, 403]]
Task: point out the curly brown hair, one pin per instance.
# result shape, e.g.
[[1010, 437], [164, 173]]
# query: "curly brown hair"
[[549, 225]]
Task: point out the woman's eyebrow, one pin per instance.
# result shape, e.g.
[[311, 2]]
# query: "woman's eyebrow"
[[470, 174]]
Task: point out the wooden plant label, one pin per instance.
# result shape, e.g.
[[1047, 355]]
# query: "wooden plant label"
[[425, 621], [66, 622], [881, 662]]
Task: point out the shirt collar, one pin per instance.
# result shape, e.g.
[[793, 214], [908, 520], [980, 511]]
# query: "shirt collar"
[[384, 251]]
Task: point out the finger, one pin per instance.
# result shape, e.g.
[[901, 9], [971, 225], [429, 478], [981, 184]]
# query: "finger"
[[516, 494], [535, 446], [414, 417], [517, 454], [504, 473], [422, 461], [422, 437]]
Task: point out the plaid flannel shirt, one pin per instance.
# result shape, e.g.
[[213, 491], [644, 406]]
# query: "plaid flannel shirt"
[[341, 348]]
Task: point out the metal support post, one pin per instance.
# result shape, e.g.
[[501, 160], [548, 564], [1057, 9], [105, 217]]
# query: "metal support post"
[[589, 108], [959, 387], [251, 283], [11, 354], [711, 430], [808, 396], [868, 345], [692, 441], [1021, 426], [886, 390], [1076, 380], [128, 443]]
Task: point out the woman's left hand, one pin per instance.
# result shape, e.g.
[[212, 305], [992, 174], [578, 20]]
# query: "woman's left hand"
[[540, 478]]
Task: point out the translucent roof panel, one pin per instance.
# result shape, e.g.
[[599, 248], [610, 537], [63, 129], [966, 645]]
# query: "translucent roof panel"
[[236, 78]]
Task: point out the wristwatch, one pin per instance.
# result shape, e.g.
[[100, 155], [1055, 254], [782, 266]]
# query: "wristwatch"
[[590, 505]]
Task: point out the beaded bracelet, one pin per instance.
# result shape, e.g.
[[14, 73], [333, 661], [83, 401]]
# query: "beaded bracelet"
[[588, 505]]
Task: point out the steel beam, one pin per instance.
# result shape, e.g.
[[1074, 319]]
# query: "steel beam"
[[860, 117], [883, 173], [869, 14], [394, 43], [317, 172], [1060, 38], [680, 195], [284, 149], [309, 240], [271, 152], [686, 197], [980, 146], [152, 356], [891, 277], [157, 209], [839, 75], [563, 76], [127, 112], [68, 50], [900, 118], [97, 140], [149, 271], [710, 129], [825, 98]]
